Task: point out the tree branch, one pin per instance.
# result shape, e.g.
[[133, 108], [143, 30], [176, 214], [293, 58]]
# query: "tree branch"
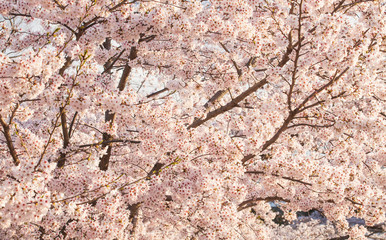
[[219, 94], [7, 135], [105, 159], [70, 131], [252, 202], [334, 79], [297, 56], [280, 131], [109, 116], [284, 177], [108, 142], [134, 210], [311, 125], [121, 4], [66, 137], [230, 105], [124, 77], [109, 65], [157, 92], [66, 64], [59, 5]]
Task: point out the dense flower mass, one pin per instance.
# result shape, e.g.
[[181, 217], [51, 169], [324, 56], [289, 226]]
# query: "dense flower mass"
[[192, 119]]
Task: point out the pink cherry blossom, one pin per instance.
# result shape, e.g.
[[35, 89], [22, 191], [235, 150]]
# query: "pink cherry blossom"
[[192, 119]]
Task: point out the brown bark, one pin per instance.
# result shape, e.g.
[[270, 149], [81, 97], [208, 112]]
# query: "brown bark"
[[7, 135], [104, 162], [230, 105], [134, 210], [124, 77], [63, 118], [66, 137], [252, 202], [110, 116]]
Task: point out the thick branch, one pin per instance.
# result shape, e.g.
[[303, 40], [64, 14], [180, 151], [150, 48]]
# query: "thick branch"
[[109, 116], [124, 77], [340, 238], [63, 119], [7, 135], [219, 94], [280, 131], [134, 210], [297, 56], [104, 162], [155, 170], [66, 64], [157, 92], [252, 202], [230, 105], [107, 44], [66, 136]]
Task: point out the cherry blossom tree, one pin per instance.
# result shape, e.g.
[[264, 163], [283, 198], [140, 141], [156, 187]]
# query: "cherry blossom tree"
[[190, 119]]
